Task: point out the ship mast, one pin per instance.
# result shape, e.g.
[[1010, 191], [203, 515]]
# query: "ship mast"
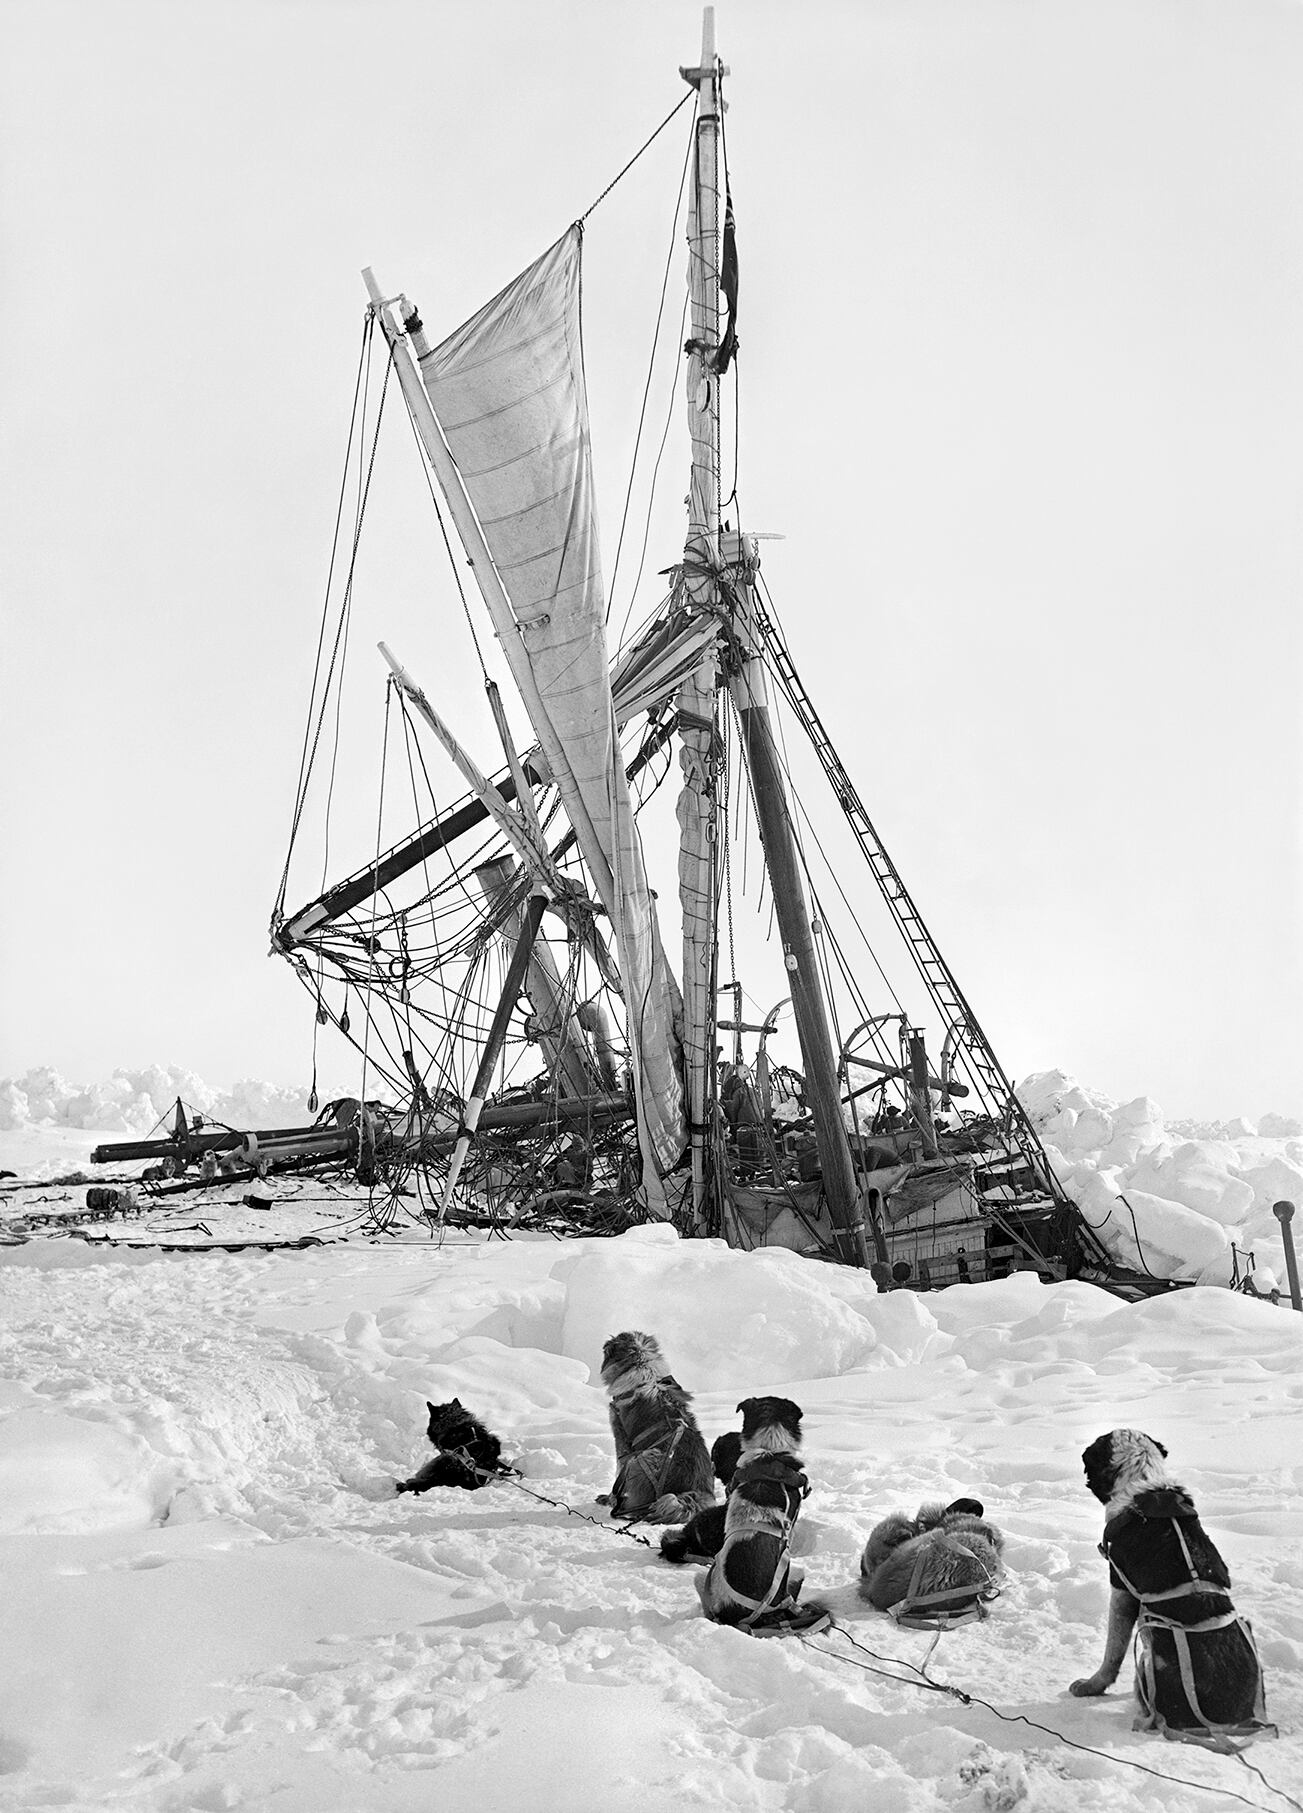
[[699, 818], [719, 569]]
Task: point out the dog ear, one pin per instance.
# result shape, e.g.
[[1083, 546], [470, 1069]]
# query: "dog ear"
[[742, 1407], [1161, 1449], [429, 1406]]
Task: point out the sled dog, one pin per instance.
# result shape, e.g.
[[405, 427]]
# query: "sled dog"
[[663, 1470], [1198, 1678], [939, 1567], [750, 1583], [468, 1456]]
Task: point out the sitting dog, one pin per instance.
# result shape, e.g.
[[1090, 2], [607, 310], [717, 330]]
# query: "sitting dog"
[[663, 1468], [468, 1458], [749, 1583], [1198, 1678], [702, 1537], [936, 1568]]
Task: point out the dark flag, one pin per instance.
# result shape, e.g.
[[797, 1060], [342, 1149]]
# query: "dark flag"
[[728, 283]]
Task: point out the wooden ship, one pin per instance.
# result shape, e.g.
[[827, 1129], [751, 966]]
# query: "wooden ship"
[[534, 1053]]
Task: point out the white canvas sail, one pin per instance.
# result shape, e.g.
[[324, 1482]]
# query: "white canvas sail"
[[508, 390]]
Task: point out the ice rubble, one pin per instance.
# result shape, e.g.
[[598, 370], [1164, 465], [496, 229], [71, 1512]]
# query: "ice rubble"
[[1159, 1198], [136, 1101]]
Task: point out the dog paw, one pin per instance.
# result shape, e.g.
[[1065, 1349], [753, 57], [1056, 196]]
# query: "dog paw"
[[1090, 1687]]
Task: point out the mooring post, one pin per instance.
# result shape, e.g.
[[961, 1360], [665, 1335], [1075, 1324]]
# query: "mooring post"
[[1284, 1213]]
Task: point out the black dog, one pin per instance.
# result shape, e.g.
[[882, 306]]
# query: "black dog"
[[1198, 1678], [702, 1537], [468, 1458], [750, 1583]]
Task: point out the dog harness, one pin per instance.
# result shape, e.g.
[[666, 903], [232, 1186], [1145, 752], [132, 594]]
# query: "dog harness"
[[1206, 1731], [779, 1611], [782, 1470], [951, 1605], [641, 1460]]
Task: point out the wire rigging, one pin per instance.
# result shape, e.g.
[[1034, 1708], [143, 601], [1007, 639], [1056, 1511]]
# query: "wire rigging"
[[647, 144], [646, 393]]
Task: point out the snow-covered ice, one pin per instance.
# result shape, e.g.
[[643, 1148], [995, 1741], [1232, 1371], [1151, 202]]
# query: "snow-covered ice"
[[213, 1599]]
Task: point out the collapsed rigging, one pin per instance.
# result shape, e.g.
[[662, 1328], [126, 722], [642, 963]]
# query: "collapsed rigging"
[[529, 1050]]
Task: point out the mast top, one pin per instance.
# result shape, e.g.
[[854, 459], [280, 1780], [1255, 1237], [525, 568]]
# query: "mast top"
[[707, 67]]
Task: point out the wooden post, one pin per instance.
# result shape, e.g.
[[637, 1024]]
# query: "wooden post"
[[769, 794], [543, 984], [1284, 1213], [493, 1044], [920, 1101], [698, 807]]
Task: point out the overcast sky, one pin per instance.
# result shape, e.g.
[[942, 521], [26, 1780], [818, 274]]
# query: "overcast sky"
[[1021, 388]]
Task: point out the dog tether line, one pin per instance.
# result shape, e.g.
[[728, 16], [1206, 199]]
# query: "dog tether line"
[[503, 1477], [918, 1676], [1019, 1718]]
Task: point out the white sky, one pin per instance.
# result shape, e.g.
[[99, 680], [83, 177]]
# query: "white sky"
[[1021, 388]]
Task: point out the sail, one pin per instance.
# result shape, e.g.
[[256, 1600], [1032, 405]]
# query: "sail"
[[508, 389]]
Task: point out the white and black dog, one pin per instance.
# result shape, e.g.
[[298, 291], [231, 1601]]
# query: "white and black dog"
[[750, 1582], [663, 1470], [1198, 1677], [936, 1568]]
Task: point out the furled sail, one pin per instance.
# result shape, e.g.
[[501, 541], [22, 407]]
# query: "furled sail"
[[508, 389]]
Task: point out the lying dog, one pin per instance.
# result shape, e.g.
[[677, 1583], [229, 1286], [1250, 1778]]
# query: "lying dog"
[[749, 1582], [936, 1568], [468, 1458], [702, 1537], [1198, 1678], [663, 1468]]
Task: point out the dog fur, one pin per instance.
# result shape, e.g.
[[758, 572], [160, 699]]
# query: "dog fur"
[[1154, 1542], [468, 1458], [942, 1548], [749, 1581], [663, 1471], [702, 1537]]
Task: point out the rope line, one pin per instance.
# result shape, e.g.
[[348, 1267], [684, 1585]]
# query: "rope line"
[[926, 1682], [642, 414], [497, 1477], [309, 741], [918, 1675], [691, 95]]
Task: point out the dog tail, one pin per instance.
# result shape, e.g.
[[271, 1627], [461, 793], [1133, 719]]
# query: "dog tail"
[[677, 1507]]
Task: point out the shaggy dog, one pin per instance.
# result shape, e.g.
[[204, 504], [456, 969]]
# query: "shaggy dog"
[[750, 1583], [469, 1457], [663, 1468], [1198, 1678], [936, 1568], [702, 1536]]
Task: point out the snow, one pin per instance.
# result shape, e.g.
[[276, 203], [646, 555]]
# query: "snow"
[[213, 1599]]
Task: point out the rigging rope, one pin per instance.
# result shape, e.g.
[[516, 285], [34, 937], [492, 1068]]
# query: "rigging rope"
[[306, 760], [371, 952], [642, 413], [447, 541], [691, 95], [660, 454], [340, 650]]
